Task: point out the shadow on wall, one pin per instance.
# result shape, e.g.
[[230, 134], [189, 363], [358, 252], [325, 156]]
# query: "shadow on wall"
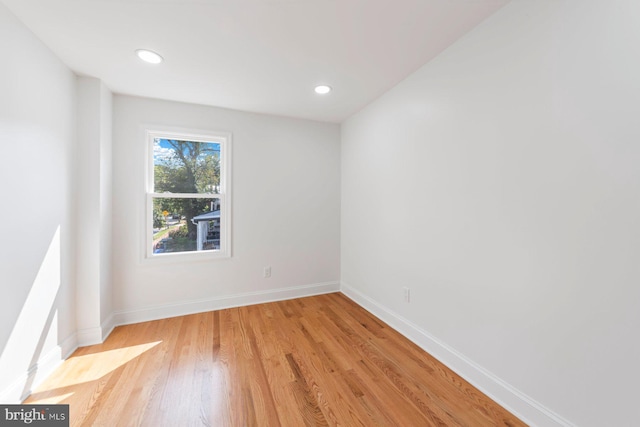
[[35, 328]]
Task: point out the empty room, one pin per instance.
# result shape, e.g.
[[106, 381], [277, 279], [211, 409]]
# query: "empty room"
[[323, 213]]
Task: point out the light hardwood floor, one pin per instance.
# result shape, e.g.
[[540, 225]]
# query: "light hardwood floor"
[[317, 361]]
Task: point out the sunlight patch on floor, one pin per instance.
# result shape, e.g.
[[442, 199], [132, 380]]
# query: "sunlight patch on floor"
[[51, 400], [91, 367]]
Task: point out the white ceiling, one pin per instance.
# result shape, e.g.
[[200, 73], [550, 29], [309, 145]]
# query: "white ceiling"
[[254, 55]]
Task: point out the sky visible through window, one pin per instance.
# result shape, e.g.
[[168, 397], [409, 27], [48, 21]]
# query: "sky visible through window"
[[163, 151]]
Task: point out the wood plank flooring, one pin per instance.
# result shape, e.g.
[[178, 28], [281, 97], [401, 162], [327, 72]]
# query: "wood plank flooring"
[[317, 361]]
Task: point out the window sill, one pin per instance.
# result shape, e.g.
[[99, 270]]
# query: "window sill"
[[186, 257]]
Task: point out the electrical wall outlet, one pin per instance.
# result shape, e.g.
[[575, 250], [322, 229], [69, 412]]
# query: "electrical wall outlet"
[[267, 272], [406, 294]]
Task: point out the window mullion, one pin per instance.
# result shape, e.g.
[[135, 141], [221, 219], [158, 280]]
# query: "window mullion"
[[185, 195]]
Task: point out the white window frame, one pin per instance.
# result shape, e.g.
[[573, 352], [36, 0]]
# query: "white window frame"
[[224, 195]]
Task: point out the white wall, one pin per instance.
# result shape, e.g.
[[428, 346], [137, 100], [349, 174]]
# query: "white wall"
[[286, 211], [37, 126], [106, 208], [93, 191], [501, 183]]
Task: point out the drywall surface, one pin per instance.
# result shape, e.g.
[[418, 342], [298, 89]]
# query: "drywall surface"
[[106, 205], [37, 131], [94, 201], [500, 183], [286, 207]]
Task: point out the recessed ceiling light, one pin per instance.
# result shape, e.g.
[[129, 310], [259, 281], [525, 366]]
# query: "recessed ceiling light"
[[322, 89], [149, 56]]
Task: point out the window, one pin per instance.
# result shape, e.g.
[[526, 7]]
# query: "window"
[[188, 202]]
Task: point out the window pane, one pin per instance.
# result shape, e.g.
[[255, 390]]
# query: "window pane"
[[185, 225], [181, 166]]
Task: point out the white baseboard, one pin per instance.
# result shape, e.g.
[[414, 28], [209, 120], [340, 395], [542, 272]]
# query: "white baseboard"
[[97, 335], [208, 304], [89, 336], [519, 404], [107, 327], [21, 388]]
